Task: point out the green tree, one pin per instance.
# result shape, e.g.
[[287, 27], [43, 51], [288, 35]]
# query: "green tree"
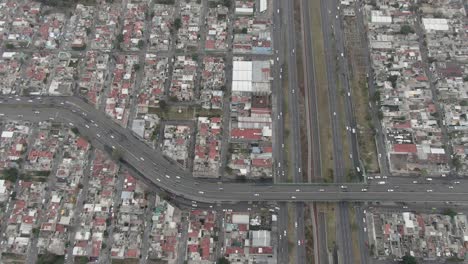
[[223, 260], [10, 174], [75, 130], [409, 260], [406, 29], [177, 23], [117, 154], [120, 38], [141, 44], [450, 212]]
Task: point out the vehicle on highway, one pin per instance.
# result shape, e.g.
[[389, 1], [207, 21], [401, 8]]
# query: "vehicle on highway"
[[295, 224], [349, 94], [354, 131], [429, 190], [450, 187], [298, 242], [201, 192], [284, 233], [390, 190], [428, 179], [321, 190], [2, 114], [177, 177], [142, 159], [415, 182], [343, 187], [381, 182], [98, 135], [384, 177], [298, 190], [277, 11], [293, 197], [370, 177], [364, 190], [167, 176], [456, 182], [86, 126]]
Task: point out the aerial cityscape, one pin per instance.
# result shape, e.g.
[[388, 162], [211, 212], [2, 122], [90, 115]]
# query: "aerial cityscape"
[[233, 131]]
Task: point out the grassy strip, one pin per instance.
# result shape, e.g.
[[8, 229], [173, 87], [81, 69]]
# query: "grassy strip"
[[291, 237], [321, 92], [184, 112], [348, 166], [309, 233], [360, 97], [354, 235], [368, 149], [330, 218], [288, 140]]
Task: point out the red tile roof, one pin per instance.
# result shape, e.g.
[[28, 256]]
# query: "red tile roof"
[[405, 148]]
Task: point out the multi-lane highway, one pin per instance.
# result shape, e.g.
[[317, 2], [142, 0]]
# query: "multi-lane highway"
[[155, 168]]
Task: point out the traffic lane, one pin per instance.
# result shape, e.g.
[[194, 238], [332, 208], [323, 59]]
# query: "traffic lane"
[[53, 112]]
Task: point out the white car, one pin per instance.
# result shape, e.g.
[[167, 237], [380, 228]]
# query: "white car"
[[201, 192], [293, 197], [349, 94], [429, 179], [256, 195], [377, 177], [298, 242], [321, 190], [429, 190], [364, 190], [415, 181], [390, 190], [450, 187], [167, 176], [142, 159], [177, 177], [456, 182], [295, 224], [277, 11], [384, 177]]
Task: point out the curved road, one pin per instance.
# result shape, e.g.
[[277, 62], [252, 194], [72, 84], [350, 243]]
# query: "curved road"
[[151, 164]]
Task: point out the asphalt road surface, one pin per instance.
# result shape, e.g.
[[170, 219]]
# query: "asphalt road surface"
[[167, 175]]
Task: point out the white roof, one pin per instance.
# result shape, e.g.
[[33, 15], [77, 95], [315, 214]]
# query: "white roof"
[[378, 17], [8, 55], [437, 151], [242, 76], [263, 5], [7, 134], [240, 219], [435, 24]]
